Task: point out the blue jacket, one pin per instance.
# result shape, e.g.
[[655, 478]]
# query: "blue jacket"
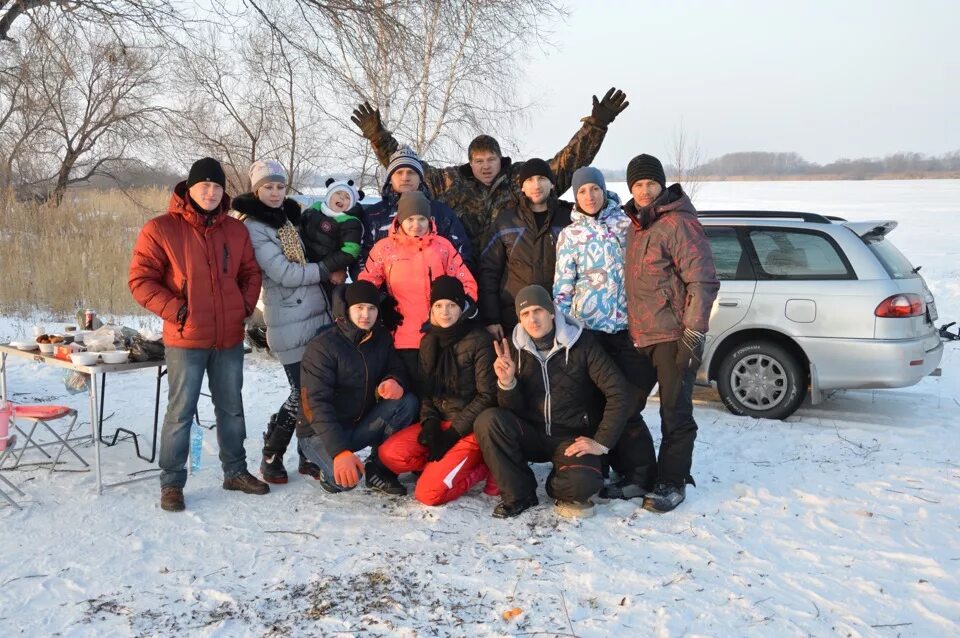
[[588, 283]]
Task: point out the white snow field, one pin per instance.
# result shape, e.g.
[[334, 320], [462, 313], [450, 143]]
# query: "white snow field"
[[843, 520]]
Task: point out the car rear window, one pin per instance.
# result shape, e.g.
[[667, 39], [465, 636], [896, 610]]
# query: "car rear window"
[[896, 265], [728, 256], [795, 254]]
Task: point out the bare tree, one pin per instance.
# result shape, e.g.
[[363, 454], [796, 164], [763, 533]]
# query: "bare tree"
[[87, 102], [440, 71], [686, 157], [141, 15]]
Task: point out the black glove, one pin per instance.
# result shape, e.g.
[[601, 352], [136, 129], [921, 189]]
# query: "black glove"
[[607, 109], [429, 429], [389, 315], [441, 444], [689, 350], [367, 119]]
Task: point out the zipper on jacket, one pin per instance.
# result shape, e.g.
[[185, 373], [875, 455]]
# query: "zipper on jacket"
[[186, 306], [546, 397], [226, 257]]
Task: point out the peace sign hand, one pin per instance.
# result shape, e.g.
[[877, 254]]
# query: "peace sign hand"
[[504, 366]]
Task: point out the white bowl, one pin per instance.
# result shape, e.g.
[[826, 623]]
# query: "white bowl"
[[115, 356], [85, 358], [47, 348]]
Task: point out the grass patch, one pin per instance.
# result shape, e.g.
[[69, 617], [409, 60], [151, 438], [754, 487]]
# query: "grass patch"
[[73, 256]]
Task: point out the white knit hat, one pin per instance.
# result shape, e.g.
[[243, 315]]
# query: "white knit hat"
[[265, 171]]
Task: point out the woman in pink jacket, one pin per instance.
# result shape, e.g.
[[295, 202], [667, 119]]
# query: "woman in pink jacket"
[[406, 262]]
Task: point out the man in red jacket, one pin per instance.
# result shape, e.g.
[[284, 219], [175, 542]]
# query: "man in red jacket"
[[194, 267]]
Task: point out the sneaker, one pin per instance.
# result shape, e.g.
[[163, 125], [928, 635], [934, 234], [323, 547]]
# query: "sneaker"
[[171, 499], [309, 468], [574, 509], [664, 498], [247, 483], [380, 479], [624, 489], [509, 510], [272, 470]]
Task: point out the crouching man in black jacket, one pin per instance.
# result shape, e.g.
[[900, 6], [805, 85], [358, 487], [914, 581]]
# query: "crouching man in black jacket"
[[546, 381], [353, 394]]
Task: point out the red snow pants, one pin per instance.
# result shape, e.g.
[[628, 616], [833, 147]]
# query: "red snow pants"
[[441, 481]]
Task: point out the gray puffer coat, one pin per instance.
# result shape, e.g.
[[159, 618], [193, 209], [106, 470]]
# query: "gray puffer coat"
[[295, 306]]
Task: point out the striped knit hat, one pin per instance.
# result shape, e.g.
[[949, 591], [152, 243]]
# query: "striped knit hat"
[[404, 157]]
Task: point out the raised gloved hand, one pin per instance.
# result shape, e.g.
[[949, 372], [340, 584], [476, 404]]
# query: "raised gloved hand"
[[429, 430], [390, 317], [368, 119], [390, 389], [689, 350], [347, 469], [442, 443], [612, 104]]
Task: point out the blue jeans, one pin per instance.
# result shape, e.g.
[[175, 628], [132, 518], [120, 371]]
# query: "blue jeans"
[[384, 419], [185, 369]]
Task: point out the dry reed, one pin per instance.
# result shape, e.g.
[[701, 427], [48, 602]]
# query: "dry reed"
[[60, 259]]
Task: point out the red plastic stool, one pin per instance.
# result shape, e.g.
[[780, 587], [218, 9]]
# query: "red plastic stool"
[[43, 415]]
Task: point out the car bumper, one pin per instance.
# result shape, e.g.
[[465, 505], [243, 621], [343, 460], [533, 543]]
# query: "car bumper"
[[871, 363]]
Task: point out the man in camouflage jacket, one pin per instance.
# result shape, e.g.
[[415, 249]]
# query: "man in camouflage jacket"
[[488, 183]]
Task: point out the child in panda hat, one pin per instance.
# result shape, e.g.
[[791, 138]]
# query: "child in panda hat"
[[331, 228]]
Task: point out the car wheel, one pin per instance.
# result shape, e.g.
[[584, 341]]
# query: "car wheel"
[[763, 380]]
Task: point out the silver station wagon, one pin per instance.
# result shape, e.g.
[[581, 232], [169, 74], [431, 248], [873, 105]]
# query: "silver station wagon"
[[812, 302]]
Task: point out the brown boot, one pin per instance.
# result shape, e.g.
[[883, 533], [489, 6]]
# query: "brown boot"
[[171, 499], [247, 483]]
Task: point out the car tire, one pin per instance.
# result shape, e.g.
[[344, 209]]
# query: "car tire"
[[763, 380]]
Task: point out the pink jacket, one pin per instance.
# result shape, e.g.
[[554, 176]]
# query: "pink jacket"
[[407, 265]]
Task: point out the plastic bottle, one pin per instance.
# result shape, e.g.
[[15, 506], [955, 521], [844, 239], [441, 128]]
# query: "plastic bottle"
[[196, 446]]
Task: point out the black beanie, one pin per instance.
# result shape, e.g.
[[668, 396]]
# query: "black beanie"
[[534, 295], [645, 167], [447, 287], [533, 168], [412, 203], [206, 170], [362, 292]]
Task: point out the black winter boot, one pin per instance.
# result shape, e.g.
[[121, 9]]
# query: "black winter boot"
[[381, 479], [275, 442]]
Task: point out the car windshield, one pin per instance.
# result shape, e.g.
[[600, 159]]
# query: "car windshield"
[[896, 265]]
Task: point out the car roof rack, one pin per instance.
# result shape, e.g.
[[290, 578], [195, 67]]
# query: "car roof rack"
[[813, 218]]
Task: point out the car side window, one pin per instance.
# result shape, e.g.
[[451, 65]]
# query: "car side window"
[[796, 254], [728, 255]]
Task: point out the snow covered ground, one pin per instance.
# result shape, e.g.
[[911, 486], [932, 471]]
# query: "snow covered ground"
[[843, 520]]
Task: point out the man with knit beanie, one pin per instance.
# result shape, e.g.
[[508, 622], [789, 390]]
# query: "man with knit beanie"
[[546, 376], [404, 175], [194, 267], [522, 247], [671, 286], [354, 394], [489, 183]]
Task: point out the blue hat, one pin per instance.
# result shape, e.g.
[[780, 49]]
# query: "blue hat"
[[588, 175]]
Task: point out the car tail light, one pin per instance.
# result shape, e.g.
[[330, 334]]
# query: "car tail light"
[[905, 305]]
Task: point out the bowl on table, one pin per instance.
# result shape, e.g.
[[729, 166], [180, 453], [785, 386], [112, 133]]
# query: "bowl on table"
[[47, 348], [85, 358], [115, 356]]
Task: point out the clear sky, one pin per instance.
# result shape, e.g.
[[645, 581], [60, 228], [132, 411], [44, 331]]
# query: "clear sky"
[[824, 79]]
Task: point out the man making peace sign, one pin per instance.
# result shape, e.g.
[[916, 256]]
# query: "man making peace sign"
[[545, 379]]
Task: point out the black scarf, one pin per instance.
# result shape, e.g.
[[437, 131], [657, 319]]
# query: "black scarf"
[[439, 359], [547, 341], [249, 204]]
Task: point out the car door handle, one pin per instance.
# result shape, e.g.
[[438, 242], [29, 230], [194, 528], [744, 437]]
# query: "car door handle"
[[729, 303]]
